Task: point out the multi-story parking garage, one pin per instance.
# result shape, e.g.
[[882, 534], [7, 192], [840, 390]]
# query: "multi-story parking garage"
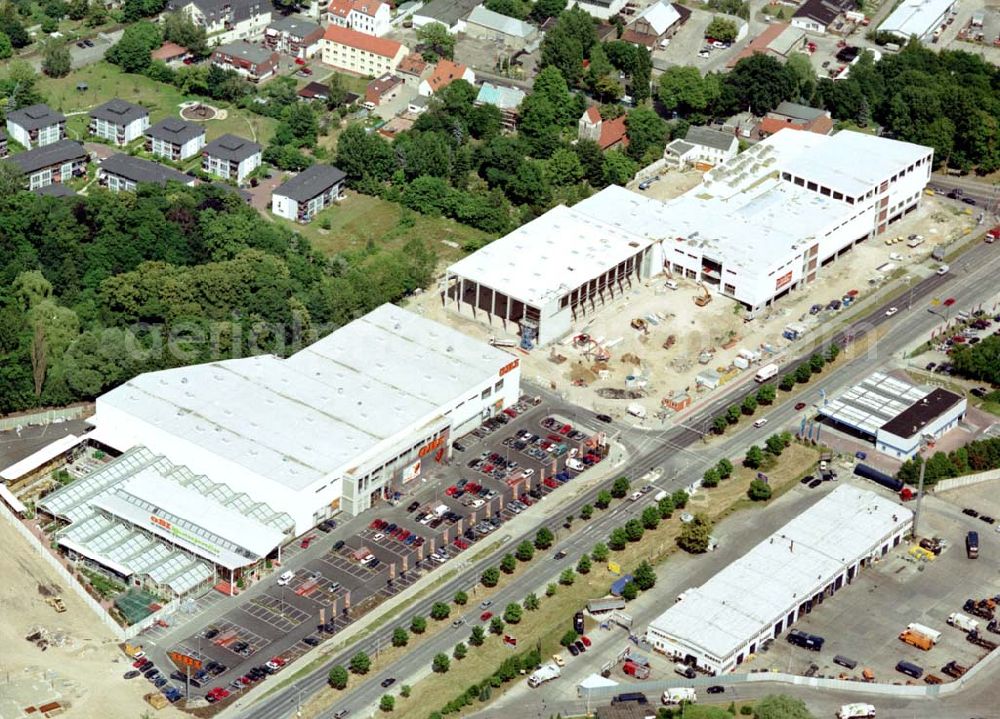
[[756, 598]]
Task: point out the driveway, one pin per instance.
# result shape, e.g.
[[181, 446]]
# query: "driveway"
[[261, 195]]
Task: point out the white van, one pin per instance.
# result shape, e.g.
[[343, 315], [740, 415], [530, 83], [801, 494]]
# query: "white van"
[[858, 710], [671, 284], [760, 422], [286, 578]]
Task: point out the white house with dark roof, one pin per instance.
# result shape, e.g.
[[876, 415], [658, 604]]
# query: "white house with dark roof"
[[226, 20], [295, 36], [118, 121], [308, 193], [55, 162], [123, 173], [702, 145], [253, 62], [175, 139], [36, 126], [231, 157]]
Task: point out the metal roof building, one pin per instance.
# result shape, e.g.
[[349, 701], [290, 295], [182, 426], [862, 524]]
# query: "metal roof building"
[[336, 426], [917, 18], [718, 625]]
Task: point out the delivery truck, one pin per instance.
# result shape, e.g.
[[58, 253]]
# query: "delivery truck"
[[857, 710], [931, 634], [963, 622], [672, 697], [916, 639], [768, 371]]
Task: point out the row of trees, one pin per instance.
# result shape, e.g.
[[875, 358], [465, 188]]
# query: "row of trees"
[[96, 289], [980, 455], [979, 361]]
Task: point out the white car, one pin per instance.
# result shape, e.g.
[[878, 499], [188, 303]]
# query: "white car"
[[378, 536], [528, 473], [687, 517], [891, 311], [943, 269], [704, 53], [760, 422], [718, 44]]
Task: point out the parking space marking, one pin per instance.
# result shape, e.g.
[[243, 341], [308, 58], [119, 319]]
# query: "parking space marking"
[[281, 615], [343, 565], [231, 634]]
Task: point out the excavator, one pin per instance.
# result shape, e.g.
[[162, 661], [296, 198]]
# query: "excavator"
[[702, 300]]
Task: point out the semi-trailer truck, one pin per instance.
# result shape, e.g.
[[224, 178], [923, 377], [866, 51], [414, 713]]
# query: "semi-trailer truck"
[[768, 371]]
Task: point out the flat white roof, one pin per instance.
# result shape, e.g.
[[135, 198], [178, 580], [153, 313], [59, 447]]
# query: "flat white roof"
[[296, 420], [782, 571], [852, 162], [550, 256], [755, 230], [872, 402], [916, 17]]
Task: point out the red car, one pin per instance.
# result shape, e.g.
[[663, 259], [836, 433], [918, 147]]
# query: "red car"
[[949, 302], [280, 661], [485, 616], [307, 541], [585, 639], [451, 490], [566, 429], [549, 482], [799, 405], [299, 61]]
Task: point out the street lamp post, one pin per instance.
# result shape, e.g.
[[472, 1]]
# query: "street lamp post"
[[920, 492]]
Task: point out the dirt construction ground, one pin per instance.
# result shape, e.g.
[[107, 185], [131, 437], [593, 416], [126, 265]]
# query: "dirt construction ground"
[[657, 372], [85, 673]]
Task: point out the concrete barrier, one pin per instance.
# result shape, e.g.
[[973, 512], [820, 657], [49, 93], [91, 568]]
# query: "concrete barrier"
[[45, 417], [955, 482]]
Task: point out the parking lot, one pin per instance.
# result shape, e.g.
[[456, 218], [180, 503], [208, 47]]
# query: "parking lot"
[[863, 621], [497, 470]]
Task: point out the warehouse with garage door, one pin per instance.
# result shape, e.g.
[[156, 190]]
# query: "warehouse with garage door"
[[718, 625]]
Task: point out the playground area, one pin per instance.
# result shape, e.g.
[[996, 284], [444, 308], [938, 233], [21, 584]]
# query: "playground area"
[[200, 112]]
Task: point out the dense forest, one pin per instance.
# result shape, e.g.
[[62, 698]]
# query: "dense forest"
[[96, 289]]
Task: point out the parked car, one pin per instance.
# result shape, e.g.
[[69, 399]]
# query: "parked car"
[[388, 682]]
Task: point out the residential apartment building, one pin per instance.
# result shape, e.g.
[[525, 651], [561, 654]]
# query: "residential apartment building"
[[36, 126], [226, 20], [123, 173], [175, 139], [309, 192], [53, 163], [359, 53], [118, 121], [253, 62], [295, 36], [371, 17], [231, 157]]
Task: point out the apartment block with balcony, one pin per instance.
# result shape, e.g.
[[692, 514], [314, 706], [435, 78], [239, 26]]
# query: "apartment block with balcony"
[[123, 173], [226, 20], [253, 62], [36, 126], [175, 139], [309, 192], [231, 157], [360, 54], [53, 163], [295, 36], [118, 121]]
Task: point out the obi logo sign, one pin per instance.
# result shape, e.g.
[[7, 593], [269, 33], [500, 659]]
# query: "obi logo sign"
[[430, 446], [509, 367], [161, 523]]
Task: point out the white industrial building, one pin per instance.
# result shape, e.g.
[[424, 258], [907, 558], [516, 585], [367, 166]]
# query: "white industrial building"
[[720, 624], [894, 414], [335, 427], [763, 224], [549, 273], [917, 18]]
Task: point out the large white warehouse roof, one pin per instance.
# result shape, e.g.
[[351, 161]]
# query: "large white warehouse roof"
[[550, 256], [916, 18], [296, 420], [782, 571]]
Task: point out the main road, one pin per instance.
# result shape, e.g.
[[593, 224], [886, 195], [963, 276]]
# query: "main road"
[[683, 455]]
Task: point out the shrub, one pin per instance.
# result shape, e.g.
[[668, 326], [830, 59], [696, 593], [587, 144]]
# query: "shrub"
[[418, 625], [759, 491], [338, 677], [544, 538], [513, 613], [525, 551], [599, 552], [441, 663], [360, 663], [567, 577], [461, 598], [583, 566], [620, 487], [440, 611], [490, 577], [387, 703], [630, 591], [400, 637]]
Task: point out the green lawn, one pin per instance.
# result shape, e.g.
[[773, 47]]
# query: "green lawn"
[[105, 81], [362, 219]]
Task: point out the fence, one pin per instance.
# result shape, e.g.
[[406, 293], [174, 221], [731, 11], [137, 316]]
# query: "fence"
[[955, 482], [45, 417]]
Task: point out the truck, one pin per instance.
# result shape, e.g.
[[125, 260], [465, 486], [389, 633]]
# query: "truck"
[[768, 371], [932, 634], [685, 671], [953, 669], [983, 608], [794, 330], [916, 639], [993, 235], [633, 669], [441, 510], [544, 673], [675, 696], [857, 710], [636, 410], [961, 621], [980, 641], [863, 470]]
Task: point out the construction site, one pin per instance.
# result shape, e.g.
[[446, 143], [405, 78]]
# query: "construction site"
[[656, 348]]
